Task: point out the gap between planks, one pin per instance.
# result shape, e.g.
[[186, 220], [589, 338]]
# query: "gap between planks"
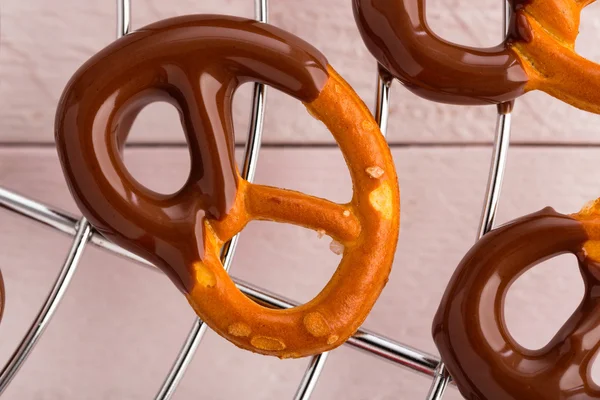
[[291, 145]]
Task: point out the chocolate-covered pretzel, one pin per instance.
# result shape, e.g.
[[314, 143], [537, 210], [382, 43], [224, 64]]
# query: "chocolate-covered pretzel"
[[2, 296], [538, 53], [196, 63], [470, 331]]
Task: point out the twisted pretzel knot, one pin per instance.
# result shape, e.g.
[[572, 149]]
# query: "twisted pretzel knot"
[[538, 54], [550, 28], [470, 331], [196, 63]]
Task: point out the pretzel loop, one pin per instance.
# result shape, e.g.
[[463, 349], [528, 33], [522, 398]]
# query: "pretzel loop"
[[470, 329]]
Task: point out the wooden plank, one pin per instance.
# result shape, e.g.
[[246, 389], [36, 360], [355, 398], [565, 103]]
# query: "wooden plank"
[[121, 325], [43, 43]]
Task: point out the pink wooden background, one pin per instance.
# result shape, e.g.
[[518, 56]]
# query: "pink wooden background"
[[120, 326]]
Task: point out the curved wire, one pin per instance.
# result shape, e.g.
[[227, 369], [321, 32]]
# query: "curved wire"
[[376, 345], [83, 233], [381, 347], [382, 111], [248, 171], [490, 205], [39, 325]]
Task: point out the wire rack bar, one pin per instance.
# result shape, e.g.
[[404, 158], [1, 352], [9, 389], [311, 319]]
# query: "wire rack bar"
[[39, 325], [382, 99], [57, 219], [372, 343], [497, 168], [311, 376], [123, 17], [83, 232], [199, 328], [382, 111], [492, 198]]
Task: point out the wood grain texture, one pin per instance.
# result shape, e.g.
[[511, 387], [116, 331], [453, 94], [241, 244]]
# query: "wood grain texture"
[[120, 325], [42, 43]]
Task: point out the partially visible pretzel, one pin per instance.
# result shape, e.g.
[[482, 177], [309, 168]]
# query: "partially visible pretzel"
[[470, 331], [2, 296], [538, 54], [196, 63]]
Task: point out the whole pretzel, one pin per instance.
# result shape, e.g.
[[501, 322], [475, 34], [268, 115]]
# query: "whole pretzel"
[[538, 53], [196, 63], [470, 331]]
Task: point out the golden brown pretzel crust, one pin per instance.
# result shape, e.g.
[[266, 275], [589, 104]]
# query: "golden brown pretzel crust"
[[589, 216], [367, 227], [549, 57]]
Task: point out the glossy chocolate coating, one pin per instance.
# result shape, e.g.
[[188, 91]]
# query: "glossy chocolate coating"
[[471, 334], [194, 63], [2, 296], [397, 35]]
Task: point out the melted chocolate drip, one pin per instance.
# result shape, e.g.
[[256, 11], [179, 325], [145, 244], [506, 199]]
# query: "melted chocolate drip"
[[471, 334], [194, 63], [397, 35]]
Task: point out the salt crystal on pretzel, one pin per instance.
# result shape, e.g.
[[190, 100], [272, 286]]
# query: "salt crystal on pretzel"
[[375, 172], [336, 247]]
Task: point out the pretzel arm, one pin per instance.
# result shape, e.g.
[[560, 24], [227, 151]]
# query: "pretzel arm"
[[281, 205], [555, 68]]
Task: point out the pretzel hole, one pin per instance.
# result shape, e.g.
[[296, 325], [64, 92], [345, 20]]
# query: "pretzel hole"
[[242, 107], [542, 299], [479, 26], [286, 259], [325, 174], [290, 260], [586, 44], [157, 123], [286, 114], [594, 370]]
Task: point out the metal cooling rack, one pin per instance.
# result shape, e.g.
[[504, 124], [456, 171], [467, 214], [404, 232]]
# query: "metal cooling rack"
[[369, 342]]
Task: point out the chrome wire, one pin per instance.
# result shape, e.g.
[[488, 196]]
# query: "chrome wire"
[[57, 219], [492, 198], [382, 111], [382, 99], [199, 328], [497, 168], [123, 17], [82, 231], [372, 343], [311, 376]]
